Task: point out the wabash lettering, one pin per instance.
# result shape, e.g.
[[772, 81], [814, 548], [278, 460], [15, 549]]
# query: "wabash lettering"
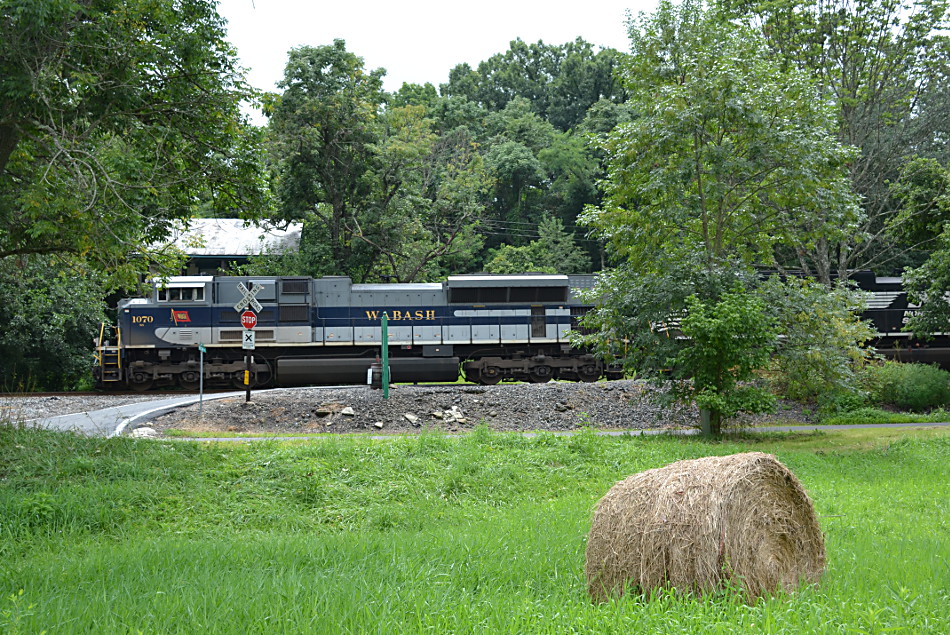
[[397, 315]]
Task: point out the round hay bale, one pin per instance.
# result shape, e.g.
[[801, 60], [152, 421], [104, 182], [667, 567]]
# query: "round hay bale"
[[704, 524]]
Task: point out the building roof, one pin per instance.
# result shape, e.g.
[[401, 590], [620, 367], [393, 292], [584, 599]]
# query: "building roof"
[[221, 237]]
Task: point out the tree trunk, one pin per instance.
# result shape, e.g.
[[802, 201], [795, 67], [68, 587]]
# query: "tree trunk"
[[9, 137]]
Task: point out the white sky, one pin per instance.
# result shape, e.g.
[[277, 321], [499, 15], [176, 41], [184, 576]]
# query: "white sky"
[[416, 41]]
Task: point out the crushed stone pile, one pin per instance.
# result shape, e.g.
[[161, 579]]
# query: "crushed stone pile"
[[622, 405]]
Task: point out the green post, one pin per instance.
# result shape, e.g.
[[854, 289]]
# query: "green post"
[[385, 360]]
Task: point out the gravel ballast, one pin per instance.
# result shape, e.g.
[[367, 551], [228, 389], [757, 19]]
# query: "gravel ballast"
[[617, 405]]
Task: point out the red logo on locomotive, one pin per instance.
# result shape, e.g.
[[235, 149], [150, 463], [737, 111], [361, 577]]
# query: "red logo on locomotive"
[[180, 316]]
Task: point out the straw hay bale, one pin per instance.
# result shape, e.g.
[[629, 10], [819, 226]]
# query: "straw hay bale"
[[704, 524]]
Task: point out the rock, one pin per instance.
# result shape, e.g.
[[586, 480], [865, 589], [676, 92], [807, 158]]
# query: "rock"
[[379, 424], [411, 418], [323, 412], [144, 432], [348, 411], [560, 407], [438, 414]]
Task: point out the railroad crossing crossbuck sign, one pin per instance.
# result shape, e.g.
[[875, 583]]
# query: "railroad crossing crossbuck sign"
[[249, 299]]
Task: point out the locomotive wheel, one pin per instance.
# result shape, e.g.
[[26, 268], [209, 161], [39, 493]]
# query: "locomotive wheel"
[[262, 377], [258, 377], [540, 375], [140, 382], [588, 374], [189, 380], [237, 380], [490, 375]]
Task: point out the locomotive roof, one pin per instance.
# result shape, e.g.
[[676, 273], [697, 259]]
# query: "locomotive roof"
[[182, 281], [403, 286], [519, 280]]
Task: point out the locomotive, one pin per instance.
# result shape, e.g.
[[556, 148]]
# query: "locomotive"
[[329, 331], [888, 310], [312, 331]]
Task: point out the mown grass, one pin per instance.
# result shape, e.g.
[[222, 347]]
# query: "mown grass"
[[482, 533], [877, 415]]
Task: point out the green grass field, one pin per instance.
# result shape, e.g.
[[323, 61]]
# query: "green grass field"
[[477, 534]]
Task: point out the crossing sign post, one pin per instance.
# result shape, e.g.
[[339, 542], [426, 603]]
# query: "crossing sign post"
[[249, 321]]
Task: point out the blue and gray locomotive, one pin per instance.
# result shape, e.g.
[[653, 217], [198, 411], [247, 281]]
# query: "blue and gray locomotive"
[[328, 331]]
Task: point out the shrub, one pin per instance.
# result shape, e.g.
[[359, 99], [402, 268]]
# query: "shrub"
[[909, 386]]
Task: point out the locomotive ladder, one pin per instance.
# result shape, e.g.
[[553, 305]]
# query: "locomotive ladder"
[[108, 355]]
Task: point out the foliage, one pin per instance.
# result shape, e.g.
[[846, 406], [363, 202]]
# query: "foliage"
[[560, 81], [883, 64], [821, 349], [323, 129], [728, 152], [728, 341], [726, 156], [924, 189], [554, 251], [909, 386], [117, 117], [382, 194], [53, 311], [435, 189]]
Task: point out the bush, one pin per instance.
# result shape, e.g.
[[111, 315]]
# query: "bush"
[[836, 402], [909, 386]]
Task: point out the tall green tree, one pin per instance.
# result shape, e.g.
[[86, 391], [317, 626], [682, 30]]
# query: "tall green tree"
[[883, 65], [432, 192], [324, 127], [726, 155], [115, 118]]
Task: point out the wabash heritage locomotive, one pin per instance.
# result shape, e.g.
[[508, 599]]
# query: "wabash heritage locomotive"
[[328, 331]]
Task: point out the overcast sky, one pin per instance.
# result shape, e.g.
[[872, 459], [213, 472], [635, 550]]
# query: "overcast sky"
[[415, 41]]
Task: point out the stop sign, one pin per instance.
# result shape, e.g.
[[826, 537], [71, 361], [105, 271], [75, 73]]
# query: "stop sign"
[[249, 319]]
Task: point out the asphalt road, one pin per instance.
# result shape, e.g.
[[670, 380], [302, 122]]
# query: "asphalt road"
[[111, 422]]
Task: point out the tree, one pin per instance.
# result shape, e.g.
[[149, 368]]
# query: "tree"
[[432, 192], [883, 64], [725, 155], [554, 251], [924, 190], [53, 307], [822, 345], [115, 118], [560, 81], [383, 192], [729, 340], [324, 128]]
